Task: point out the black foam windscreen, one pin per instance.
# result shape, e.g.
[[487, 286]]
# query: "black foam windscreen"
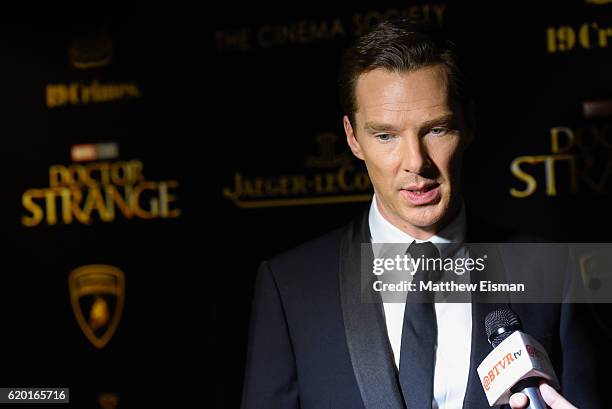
[[500, 324]]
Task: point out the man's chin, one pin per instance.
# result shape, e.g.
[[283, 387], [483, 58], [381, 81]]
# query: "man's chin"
[[426, 218]]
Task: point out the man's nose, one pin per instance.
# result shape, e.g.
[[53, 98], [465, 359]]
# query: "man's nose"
[[415, 156]]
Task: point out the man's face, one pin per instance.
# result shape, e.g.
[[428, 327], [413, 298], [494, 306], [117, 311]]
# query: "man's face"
[[408, 134]]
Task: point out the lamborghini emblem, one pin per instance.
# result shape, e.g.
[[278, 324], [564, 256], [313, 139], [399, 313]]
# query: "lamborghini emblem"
[[97, 294]]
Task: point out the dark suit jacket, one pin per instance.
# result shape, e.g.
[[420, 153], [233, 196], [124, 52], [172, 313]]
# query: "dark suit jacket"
[[314, 344]]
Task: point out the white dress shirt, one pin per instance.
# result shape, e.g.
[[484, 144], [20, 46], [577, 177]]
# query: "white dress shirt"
[[454, 320]]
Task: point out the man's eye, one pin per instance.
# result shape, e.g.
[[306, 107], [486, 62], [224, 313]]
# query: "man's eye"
[[438, 131], [385, 137]]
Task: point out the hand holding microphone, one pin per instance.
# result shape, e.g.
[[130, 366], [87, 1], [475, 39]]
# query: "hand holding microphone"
[[549, 394], [518, 369]]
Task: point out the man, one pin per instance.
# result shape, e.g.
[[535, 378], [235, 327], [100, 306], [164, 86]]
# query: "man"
[[313, 342]]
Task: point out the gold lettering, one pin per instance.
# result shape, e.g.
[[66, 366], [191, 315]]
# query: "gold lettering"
[[153, 203], [59, 176], [77, 197], [165, 199], [95, 201], [344, 185], [50, 203], [113, 197], [603, 36], [530, 182], [566, 38], [362, 181], [66, 206], [551, 37], [253, 188], [237, 192], [27, 199], [555, 133], [584, 34], [73, 93], [299, 185], [549, 173], [57, 95]]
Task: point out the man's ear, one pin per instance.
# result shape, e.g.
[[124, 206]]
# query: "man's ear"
[[350, 138]]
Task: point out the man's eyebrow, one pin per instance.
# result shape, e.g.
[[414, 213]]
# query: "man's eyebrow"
[[372, 127], [446, 119]]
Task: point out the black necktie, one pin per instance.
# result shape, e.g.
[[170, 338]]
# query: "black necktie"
[[417, 354]]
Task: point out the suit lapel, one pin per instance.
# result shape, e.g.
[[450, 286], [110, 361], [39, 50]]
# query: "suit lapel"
[[474, 394], [480, 347], [366, 332], [365, 327]]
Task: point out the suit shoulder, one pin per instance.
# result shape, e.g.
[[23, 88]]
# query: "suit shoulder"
[[480, 231], [323, 249]]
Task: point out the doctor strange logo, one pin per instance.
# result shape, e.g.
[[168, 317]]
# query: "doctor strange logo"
[[99, 191]]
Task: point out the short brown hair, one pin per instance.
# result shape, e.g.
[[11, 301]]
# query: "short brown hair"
[[399, 45]]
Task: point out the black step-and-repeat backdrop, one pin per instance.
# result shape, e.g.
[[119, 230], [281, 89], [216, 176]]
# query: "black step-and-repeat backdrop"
[[104, 178], [146, 175], [541, 162]]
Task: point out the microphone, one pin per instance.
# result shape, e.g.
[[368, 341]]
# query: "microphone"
[[517, 363]]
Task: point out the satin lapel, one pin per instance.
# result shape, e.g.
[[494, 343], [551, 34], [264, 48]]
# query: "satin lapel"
[[365, 328], [474, 394]]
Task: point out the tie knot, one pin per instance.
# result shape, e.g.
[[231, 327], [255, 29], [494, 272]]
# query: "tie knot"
[[426, 249], [429, 267]]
